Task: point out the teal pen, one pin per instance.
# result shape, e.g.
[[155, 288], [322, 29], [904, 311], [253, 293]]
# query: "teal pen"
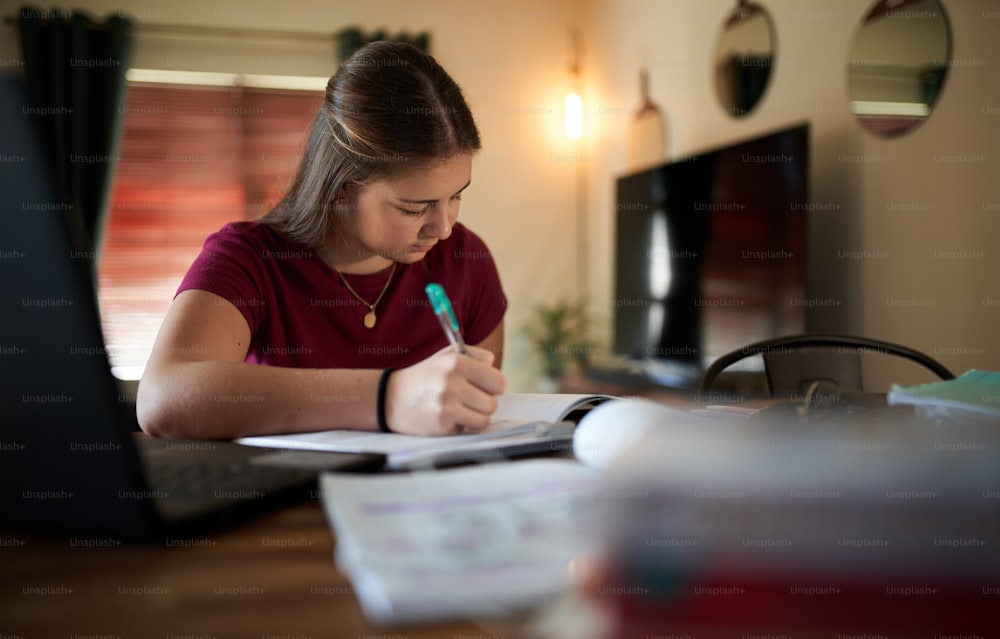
[[446, 317]]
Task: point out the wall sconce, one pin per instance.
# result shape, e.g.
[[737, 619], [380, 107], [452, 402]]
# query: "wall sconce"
[[573, 103]]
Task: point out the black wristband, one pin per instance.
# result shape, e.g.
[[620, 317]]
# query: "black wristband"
[[383, 382]]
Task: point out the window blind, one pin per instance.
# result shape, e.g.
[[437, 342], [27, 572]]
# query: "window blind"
[[191, 159]]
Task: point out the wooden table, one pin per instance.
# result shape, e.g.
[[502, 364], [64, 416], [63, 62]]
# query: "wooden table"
[[272, 577]]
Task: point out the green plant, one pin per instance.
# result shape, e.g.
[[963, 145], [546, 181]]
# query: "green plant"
[[558, 333]]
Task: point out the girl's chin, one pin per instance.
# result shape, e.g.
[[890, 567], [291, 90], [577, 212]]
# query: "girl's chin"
[[413, 253], [409, 256]]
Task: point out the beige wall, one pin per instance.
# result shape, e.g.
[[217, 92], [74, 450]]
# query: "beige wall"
[[925, 207]]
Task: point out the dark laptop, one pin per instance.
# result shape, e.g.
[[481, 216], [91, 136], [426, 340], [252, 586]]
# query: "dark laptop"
[[71, 459]]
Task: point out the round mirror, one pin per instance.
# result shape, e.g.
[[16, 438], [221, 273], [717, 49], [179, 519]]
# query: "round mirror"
[[744, 57], [898, 62]]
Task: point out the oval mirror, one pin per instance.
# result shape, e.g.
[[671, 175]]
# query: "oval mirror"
[[897, 64], [744, 56]]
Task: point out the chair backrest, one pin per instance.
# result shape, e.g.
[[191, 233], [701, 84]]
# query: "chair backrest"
[[791, 370], [795, 362]]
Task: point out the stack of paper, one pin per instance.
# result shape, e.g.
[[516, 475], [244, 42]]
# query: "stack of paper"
[[469, 542]]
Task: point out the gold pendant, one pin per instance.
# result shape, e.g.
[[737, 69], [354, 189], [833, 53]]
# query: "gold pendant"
[[370, 319]]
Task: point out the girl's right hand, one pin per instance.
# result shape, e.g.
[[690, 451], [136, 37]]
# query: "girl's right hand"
[[445, 394]]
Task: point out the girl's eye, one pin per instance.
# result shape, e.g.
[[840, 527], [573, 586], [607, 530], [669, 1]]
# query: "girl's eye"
[[417, 212]]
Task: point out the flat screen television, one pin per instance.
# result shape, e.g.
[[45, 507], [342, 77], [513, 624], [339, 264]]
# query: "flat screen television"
[[710, 251]]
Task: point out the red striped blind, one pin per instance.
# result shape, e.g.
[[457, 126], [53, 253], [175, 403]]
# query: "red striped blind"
[[191, 159]]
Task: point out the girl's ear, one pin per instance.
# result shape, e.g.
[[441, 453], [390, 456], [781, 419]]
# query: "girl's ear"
[[342, 198], [346, 194]]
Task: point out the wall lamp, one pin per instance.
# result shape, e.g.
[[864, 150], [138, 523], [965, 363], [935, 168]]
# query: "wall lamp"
[[573, 103]]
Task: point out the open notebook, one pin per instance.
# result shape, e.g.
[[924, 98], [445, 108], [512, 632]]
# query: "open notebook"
[[524, 423], [975, 393]]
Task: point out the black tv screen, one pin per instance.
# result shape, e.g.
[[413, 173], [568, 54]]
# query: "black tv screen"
[[711, 250]]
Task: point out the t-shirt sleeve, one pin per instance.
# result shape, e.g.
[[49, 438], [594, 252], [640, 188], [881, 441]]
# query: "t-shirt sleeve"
[[484, 302], [230, 266]]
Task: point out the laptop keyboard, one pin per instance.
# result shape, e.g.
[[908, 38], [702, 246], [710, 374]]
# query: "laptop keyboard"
[[189, 479], [194, 478], [220, 481]]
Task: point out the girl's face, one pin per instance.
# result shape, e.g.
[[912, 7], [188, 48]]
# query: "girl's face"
[[402, 218]]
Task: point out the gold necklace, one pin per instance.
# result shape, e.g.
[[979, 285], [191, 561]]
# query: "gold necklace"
[[370, 317]]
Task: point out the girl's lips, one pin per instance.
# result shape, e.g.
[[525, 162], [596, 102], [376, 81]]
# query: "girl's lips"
[[423, 248]]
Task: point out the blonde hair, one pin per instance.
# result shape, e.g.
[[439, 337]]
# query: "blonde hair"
[[389, 109]]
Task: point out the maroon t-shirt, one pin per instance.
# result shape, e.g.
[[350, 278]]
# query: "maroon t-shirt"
[[301, 315]]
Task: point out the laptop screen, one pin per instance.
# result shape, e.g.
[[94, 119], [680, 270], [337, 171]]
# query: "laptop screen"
[[66, 453]]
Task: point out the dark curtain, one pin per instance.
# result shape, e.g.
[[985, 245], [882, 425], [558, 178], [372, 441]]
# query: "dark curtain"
[[353, 38], [75, 73]]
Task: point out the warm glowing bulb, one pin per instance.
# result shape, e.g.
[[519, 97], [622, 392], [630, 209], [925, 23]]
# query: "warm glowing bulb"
[[574, 116]]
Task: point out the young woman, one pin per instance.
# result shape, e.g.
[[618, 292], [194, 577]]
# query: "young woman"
[[315, 316]]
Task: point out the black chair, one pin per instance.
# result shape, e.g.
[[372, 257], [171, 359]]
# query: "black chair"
[[796, 365]]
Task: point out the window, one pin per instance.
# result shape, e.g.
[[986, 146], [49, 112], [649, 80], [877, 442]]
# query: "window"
[[191, 159]]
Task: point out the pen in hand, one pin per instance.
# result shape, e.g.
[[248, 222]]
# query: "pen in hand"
[[446, 317]]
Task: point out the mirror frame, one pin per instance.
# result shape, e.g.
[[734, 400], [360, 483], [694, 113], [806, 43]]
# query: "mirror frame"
[[740, 87], [889, 118]]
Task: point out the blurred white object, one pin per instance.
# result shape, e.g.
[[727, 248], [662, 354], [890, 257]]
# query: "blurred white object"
[[612, 428]]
